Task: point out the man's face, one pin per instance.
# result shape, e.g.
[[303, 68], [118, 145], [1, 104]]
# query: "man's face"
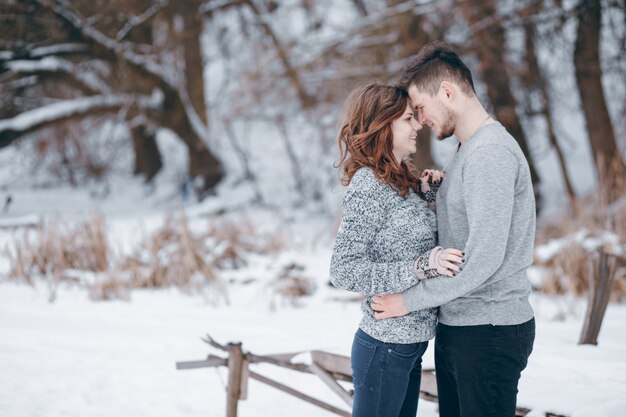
[[433, 112]]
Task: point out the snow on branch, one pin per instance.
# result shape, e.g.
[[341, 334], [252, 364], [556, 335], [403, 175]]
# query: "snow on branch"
[[62, 9], [135, 21], [59, 49], [11, 129], [53, 64], [19, 83], [591, 242], [44, 51], [213, 6], [292, 74], [321, 44]]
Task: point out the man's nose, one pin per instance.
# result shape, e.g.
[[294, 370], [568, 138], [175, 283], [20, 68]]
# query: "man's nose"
[[420, 117]]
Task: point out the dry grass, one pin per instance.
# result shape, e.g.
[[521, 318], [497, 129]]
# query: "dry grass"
[[601, 216], [52, 248], [109, 287], [172, 256], [232, 241], [290, 285]]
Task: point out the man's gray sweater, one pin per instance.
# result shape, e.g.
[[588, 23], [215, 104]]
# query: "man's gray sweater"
[[486, 207], [380, 237]]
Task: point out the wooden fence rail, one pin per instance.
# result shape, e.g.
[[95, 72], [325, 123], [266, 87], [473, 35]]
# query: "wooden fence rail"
[[329, 367]]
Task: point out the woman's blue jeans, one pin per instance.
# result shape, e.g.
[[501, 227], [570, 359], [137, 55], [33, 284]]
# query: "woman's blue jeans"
[[386, 377]]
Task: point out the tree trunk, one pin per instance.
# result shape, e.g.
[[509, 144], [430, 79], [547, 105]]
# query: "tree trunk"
[[194, 66], [135, 72], [147, 155], [423, 158], [307, 101], [412, 38], [488, 41], [533, 79], [202, 162], [589, 81]]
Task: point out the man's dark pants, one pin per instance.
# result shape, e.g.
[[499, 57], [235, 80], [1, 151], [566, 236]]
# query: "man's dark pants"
[[478, 368]]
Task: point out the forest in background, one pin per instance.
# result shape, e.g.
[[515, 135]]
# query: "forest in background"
[[80, 77], [251, 90]]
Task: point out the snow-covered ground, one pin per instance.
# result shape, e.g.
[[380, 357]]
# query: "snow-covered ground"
[[75, 357]]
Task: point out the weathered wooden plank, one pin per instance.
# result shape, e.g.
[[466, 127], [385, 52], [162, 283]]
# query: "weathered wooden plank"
[[209, 362], [276, 360], [429, 383], [235, 363], [299, 394], [328, 379], [283, 357], [602, 274], [245, 374], [332, 362], [329, 367]]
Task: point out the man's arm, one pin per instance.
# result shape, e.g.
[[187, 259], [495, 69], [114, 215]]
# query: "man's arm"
[[350, 266], [488, 191]]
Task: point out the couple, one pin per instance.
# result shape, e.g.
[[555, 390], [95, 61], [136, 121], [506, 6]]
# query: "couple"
[[387, 245]]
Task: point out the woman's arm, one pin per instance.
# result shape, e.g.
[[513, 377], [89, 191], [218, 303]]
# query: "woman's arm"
[[350, 267]]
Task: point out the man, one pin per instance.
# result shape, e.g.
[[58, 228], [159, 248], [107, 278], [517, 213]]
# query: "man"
[[485, 205]]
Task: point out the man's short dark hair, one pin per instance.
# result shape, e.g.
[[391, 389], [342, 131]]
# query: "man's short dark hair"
[[434, 63]]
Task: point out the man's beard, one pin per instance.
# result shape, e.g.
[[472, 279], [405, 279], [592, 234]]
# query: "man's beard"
[[449, 124]]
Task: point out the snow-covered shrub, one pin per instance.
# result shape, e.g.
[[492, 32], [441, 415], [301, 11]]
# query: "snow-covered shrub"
[[109, 287], [232, 242], [290, 285], [569, 263], [172, 256], [176, 255], [179, 254], [568, 243]]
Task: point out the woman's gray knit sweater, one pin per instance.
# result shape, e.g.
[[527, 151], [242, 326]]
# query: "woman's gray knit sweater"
[[380, 237]]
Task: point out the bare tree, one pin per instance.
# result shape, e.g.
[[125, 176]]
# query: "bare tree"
[[589, 80], [412, 36], [112, 63], [488, 42], [533, 79]]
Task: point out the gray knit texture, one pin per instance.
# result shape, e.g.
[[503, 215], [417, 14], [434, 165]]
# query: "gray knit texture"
[[380, 237], [486, 207]]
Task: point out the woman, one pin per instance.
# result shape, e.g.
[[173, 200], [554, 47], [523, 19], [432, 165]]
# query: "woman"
[[386, 244]]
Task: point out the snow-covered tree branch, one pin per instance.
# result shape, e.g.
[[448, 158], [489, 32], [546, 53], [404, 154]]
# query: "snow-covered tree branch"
[[106, 62], [13, 128]]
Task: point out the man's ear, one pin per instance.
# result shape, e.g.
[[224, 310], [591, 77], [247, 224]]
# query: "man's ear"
[[448, 90]]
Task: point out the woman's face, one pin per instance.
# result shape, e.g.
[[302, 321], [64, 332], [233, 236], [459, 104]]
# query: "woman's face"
[[404, 131]]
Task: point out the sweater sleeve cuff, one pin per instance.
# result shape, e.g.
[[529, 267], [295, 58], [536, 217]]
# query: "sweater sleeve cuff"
[[430, 195], [423, 264]]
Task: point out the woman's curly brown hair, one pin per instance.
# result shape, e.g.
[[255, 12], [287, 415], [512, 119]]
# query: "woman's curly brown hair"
[[365, 138]]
